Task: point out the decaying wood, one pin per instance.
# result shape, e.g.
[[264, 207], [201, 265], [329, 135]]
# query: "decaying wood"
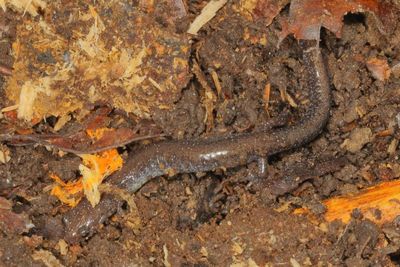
[[380, 204]]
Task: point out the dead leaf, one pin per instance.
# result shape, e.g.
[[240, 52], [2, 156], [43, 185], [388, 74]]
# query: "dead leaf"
[[92, 137], [306, 17], [379, 68], [80, 142], [9, 108], [12, 223], [261, 9]]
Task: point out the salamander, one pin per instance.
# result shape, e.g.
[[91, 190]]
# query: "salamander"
[[200, 155]]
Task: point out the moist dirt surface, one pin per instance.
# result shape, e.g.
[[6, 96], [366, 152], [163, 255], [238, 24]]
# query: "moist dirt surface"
[[230, 217]]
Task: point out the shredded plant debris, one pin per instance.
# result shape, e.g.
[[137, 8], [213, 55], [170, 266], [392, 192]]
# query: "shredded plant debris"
[[58, 70], [94, 169], [30, 6], [80, 79]]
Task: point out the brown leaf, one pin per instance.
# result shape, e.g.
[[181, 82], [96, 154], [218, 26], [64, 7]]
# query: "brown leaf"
[[80, 142], [269, 9], [379, 68], [97, 119], [10, 222], [92, 136], [261, 9], [306, 17]]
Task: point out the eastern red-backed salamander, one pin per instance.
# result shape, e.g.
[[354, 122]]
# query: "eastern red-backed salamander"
[[207, 154], [201, 155]]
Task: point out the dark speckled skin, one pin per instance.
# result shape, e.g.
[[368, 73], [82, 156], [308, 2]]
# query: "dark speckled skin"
[[207, 154], [200, 155]]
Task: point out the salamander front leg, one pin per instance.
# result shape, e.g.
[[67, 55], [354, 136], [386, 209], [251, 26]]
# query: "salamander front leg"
[[257, 170], [262, 164]]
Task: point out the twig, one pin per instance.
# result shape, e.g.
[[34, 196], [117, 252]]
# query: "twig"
[[208, 12]]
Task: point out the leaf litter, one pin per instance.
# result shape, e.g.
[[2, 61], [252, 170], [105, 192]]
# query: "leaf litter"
[[90, 49]]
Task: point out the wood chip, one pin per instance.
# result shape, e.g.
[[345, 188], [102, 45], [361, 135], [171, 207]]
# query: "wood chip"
[[380, 204], [208, 12], [384, 197], [165, 261], [217, 84], [287, 97], [237, 249], [266, 96], [393, 147], [62, 247], [61, 122], [47, 258], [4, 154], [10, 108], [156, 84]]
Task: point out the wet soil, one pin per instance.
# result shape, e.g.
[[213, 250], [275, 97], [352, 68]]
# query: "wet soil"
[[229, 217]]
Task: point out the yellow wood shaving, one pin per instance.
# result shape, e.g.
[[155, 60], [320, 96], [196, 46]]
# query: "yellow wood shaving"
[[23, 6]]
